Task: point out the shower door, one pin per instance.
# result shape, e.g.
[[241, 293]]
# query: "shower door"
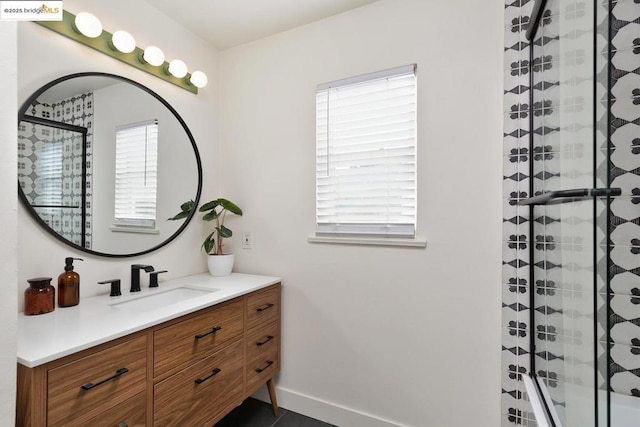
[[52, 172], [568, 205]]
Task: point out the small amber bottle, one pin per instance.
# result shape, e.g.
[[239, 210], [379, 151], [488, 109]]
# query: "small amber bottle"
[[40, 296], [69, 285]]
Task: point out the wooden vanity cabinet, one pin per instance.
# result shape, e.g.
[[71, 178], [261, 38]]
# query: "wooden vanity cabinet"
[[189, 371]]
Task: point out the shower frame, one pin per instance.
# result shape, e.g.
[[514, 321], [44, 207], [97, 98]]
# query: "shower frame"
[[568, 195], [83, 201]]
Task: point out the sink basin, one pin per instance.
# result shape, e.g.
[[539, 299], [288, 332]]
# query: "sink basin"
[[163, 298]]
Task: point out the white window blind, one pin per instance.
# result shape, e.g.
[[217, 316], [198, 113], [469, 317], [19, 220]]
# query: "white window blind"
[[136, 174], [366, 154]]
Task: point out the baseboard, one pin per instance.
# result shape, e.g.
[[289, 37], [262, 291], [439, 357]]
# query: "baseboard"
[[324, 411]]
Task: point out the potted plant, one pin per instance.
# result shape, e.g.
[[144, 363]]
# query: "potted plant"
[[220, 264]]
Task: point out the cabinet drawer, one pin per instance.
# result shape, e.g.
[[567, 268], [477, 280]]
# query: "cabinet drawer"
[[263, 307], [195, 395], [262, 341], [131, 413], [261, 368], [191, 340], [82, 388]]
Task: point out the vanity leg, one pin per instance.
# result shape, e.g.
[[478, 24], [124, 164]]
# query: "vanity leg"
[[272, 396]]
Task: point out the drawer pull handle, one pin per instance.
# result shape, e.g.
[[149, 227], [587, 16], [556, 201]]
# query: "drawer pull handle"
[[213, 331], [266, 340], [122, 425], [119, 372], [264, 307], [269, 363], [214, 372]]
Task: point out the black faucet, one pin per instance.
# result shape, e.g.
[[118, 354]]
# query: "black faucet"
[[135, 275]]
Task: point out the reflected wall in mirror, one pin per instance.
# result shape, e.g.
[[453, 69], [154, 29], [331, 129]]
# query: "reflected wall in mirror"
[[103, 162]]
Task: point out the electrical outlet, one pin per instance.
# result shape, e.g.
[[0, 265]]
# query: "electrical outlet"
[[247, 240]]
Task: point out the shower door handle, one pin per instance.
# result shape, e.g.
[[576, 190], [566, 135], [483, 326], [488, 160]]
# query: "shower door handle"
[[576, 193]]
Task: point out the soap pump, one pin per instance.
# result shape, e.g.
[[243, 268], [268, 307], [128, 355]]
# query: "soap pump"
[[69, 285]]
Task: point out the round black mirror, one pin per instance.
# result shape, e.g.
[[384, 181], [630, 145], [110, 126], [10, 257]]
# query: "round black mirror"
[[103, 162]]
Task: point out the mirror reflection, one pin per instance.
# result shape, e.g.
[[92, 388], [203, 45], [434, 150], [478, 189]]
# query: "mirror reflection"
[[103, 162]]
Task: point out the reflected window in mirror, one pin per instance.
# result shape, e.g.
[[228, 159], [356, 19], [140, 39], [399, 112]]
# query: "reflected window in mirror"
[[136, 176]]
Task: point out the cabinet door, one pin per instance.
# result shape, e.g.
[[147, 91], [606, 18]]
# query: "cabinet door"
[[198, 394], [83, 388], [131, 413], [176, 346]]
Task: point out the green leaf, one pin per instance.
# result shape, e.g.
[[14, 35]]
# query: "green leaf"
[[224, 232], [209, 205], [210, 216], [230, 206], [209, 243], [207, 246], [181, 215], [186, 209], [188, 206]]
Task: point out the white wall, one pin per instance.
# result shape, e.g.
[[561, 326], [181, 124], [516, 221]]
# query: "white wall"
[[44, 55], [8, 220], [411, 336]]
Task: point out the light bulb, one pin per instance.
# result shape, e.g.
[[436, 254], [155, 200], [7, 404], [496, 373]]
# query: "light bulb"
[[123, 41], [153, 55], [178, 68], [199, 79], [88, 25]]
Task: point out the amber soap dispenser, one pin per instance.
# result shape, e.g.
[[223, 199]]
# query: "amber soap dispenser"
[[69, 285]]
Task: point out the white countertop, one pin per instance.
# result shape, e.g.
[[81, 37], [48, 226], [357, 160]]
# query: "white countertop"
[[46, 337]]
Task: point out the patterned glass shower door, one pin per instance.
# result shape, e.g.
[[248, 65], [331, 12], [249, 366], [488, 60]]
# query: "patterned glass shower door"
[[52, 173], [568, 244]]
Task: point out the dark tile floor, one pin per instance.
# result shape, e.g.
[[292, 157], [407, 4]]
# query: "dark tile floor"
[[254, 413]]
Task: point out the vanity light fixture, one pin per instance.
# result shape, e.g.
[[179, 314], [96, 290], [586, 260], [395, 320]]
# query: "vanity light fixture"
[[177, 68], [199, 79], [87, 24], [86, 29], [154, 56], [123, 41]]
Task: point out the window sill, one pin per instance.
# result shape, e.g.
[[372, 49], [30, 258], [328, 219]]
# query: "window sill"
[[134, 230], [417, 242]]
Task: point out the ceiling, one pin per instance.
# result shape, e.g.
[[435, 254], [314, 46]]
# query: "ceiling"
[[228, 23]]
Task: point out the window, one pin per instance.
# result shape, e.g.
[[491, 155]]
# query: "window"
[[366, 155], [136, 174]]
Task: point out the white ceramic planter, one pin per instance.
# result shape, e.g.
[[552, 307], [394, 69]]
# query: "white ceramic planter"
[[220, 265]]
